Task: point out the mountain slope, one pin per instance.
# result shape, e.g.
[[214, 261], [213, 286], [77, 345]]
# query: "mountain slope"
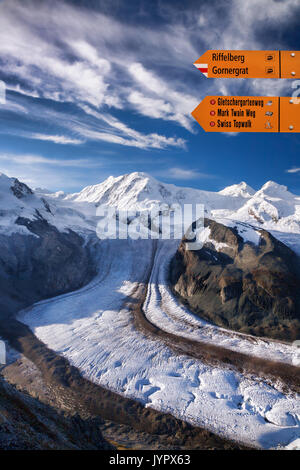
[[18, 203], [242, 279], [28, 424], [272, 207], [141, 191], [236, 190], [41, 251]]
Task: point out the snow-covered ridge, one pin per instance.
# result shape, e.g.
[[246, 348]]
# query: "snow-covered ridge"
[[236, 190], [142, 191], [18, 201], [272, 207]]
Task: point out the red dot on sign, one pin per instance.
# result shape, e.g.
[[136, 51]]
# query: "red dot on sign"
[[212, 113], [212, 101], [212, 123]]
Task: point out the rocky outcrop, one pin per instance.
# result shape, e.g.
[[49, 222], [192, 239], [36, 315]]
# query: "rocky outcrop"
[[42, 264], [249, 286], [28, 424], [20, 190]]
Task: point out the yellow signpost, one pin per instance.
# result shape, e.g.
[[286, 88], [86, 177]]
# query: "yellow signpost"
[[248, 114], [249, 64]]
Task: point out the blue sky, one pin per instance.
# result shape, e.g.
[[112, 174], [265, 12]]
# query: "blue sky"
[[99, 88]]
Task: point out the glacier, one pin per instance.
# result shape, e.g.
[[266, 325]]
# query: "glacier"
[[94, 327]]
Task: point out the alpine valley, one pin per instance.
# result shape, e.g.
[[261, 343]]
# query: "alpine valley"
[[141, 343]]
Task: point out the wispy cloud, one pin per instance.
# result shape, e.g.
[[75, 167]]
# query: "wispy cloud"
[[38, 159], [57, 139], [75, 71], [93, 64], [184, 174], [293, 170], [120, 133], [175, 106], [48, 172]]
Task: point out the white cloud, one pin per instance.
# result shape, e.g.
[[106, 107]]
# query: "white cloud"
[[90, 54], [93, 76], [186, 174], [13, 106], [176, 106], [152, 107], [293, 170], [94, 63], [57, 139], [119, 133], [40, 160], [142, 141], [18, 89]]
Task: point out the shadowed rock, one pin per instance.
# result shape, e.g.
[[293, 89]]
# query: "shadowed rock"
[[239, 284]]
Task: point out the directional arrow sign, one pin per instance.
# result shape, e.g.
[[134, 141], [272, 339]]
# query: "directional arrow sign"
[[248, 114], [250, 64]]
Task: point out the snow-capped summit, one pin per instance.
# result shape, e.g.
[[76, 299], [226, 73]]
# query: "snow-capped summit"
[[273, 207], [14, 193], [272, 189], [236, 190], [13, 185], [114, 190], [138, 191], [18, 200]]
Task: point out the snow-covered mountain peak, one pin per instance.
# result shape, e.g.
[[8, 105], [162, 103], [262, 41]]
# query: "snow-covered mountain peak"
[[4, 178], [273, 207], [13, 186], [6, 182], [123, 191], [138, 191], [236, 190], [17, 200], [273, 189], [139, 174]]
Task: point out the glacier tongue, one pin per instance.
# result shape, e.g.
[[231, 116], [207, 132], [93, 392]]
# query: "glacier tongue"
[[94, 329]]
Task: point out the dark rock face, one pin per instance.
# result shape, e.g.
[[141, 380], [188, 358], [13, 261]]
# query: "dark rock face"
[[28, 424], [41, 265], [246, 287], [20, 190]]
